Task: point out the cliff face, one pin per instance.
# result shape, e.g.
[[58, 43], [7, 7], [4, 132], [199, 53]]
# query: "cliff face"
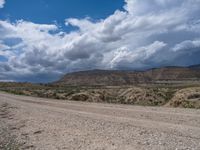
[[105, 77]]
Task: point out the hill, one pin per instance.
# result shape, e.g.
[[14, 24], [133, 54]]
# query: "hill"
[[117, 77]]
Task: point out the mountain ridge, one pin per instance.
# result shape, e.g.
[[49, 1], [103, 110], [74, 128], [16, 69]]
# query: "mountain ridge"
[[131, 77]]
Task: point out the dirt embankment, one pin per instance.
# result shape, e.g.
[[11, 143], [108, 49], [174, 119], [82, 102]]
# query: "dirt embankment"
[[145, 95], [134, 95], [187, 98]]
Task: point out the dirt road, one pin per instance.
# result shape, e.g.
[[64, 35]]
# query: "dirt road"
[[46, 124]]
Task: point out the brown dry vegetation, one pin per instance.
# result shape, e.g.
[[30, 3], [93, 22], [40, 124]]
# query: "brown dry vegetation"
[[149, 95]]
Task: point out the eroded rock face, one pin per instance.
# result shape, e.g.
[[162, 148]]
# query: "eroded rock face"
[[119, 78]]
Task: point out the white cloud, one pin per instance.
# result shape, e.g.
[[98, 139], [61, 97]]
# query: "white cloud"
[[2, 2], [187, 45], [127, 57], [145, 34]]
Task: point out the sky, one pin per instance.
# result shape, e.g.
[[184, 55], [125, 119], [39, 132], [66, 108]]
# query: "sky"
[[41, 40]]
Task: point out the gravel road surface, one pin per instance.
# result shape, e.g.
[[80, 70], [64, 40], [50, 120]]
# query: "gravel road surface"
[[47, 124]]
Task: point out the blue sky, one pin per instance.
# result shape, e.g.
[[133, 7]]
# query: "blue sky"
[[51, 11], [41, 40]]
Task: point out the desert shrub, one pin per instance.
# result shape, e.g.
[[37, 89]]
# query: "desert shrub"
[[194, 96], [69, 93], [80, 97], [188, 104]]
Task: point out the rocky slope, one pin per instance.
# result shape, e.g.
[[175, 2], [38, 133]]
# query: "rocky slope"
[[115, 78]]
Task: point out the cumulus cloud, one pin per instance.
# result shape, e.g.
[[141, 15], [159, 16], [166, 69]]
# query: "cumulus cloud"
[[187, 45], [125, 58], [145, 34], [2, 2]]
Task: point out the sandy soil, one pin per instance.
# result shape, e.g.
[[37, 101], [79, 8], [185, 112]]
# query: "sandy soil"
[[46, 124]]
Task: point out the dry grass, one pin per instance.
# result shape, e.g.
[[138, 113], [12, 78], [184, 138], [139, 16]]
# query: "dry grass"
[[147, 95]]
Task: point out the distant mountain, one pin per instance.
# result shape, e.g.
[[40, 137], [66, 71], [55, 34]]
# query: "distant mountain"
[[195, 67], [117, 77]]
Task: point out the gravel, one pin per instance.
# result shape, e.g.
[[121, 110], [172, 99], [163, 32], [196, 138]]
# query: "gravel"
[[51, 124]]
